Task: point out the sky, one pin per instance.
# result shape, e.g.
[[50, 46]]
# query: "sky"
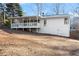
[[30, 8]]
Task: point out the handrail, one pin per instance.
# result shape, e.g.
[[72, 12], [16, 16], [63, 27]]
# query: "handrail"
[[31, 24]]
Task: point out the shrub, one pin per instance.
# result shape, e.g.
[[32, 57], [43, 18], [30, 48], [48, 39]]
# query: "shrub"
[[7, 23]]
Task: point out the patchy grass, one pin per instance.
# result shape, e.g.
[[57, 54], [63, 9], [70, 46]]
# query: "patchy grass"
[[29, 44]]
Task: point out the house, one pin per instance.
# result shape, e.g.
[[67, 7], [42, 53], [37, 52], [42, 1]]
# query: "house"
[[56, 25]]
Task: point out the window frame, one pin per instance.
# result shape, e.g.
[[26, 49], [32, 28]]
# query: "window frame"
[[65, 21], [45, 22]]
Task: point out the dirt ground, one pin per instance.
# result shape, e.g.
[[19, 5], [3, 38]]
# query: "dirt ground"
[[75, 34], [18, 43]]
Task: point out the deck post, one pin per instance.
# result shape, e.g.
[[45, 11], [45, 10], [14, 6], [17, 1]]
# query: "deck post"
[[16, 28], [23, 24], [29, 23], [30, 29], [37, 30], [11, 23], [23, 29], [37, 23]]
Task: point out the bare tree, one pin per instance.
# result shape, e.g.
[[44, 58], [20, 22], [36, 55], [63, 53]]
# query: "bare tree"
[[58, 8], [39, 8], [76, 10]]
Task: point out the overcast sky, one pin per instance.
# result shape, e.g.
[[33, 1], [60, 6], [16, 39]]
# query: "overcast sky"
[[29, 8]]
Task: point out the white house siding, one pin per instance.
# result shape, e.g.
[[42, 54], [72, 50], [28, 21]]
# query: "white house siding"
[[55, 26]]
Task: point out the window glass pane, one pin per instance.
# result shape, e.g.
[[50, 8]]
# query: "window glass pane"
[[66, 21], [44, 22]]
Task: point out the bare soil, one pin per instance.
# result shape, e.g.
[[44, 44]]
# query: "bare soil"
[[75, 34], [19, 43]]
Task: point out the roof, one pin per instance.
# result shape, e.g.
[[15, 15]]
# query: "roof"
[[23, 17], [56, 16], [42, 17]]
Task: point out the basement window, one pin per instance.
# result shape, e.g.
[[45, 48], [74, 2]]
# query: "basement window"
[[66, 21], [44, 22]]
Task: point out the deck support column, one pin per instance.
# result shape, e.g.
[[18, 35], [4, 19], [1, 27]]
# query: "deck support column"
[[23, 29], [30, 29], [29, 24], [37, 30], [16, 28], [11, 23], [23, 24]]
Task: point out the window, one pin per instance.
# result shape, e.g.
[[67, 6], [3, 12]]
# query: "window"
[[44, 22], [66, 21]]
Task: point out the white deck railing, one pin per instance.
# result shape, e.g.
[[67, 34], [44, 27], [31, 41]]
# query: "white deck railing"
[[25, 25]]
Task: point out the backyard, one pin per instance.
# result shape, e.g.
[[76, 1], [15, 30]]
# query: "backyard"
[[19, 43]]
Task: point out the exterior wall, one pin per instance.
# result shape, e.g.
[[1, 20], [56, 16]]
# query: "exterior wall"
[[55, 26]]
